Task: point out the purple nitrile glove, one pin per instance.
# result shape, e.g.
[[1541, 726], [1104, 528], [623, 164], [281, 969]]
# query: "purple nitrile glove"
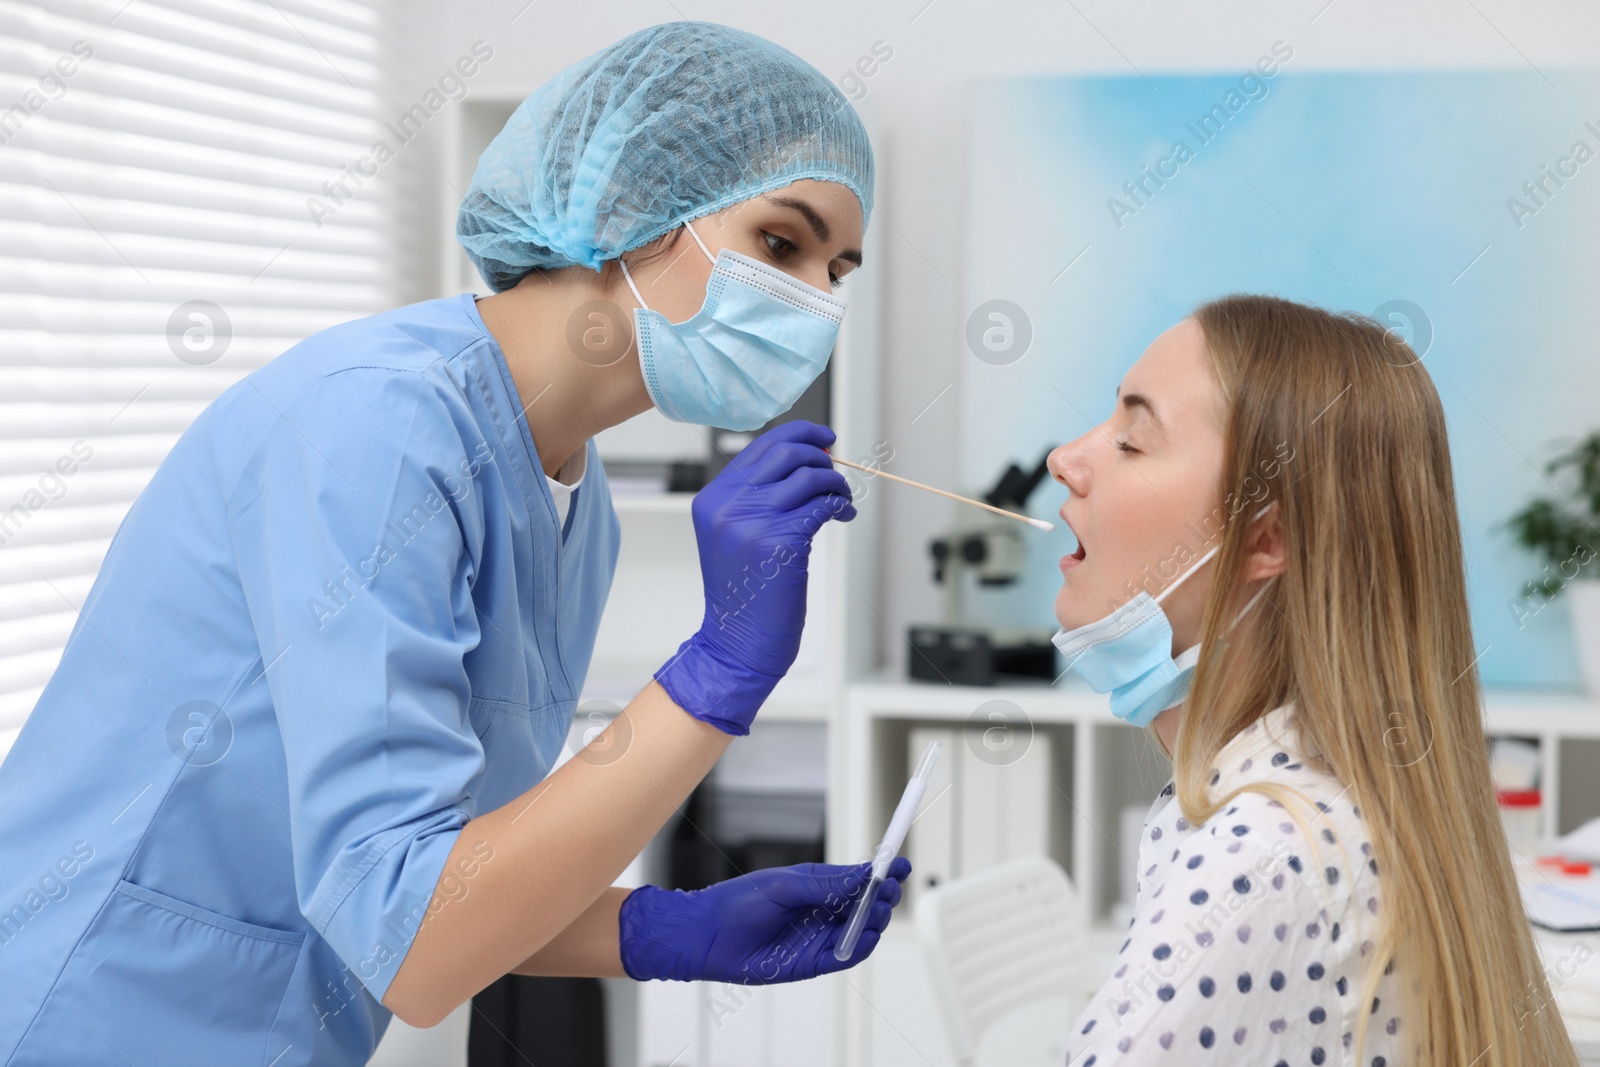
[[753, 523], [774, 925]]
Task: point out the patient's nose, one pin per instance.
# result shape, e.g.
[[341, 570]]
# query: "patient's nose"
[[1067, 466]]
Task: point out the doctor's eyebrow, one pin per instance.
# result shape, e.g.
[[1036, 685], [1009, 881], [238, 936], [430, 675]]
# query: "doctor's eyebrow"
[[1139, 400], [818, 224]]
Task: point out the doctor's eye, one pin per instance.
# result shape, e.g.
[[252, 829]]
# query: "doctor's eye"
[[780, 247]]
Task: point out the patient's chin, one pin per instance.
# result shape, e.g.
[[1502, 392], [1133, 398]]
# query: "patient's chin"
[[1069, 609]]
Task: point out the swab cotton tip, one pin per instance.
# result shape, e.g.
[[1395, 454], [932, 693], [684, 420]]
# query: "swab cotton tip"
[[1041, 524]]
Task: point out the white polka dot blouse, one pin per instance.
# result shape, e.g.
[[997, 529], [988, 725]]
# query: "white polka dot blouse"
[[1250, 943]]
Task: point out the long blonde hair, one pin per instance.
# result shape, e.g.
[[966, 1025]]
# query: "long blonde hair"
[[1366, 632]]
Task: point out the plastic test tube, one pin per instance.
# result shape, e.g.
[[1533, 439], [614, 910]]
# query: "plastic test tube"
[[888, 849]]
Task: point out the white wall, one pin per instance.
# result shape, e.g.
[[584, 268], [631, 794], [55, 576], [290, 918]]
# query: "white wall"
[[915, 104]]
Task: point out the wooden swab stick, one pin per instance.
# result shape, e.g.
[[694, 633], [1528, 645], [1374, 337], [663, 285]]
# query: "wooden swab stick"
[[1039, 524]]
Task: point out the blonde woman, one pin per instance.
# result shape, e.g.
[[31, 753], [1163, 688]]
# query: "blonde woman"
[[1324, 880]]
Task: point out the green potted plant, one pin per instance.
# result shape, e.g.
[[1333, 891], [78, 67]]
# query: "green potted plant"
[[1565, 534]]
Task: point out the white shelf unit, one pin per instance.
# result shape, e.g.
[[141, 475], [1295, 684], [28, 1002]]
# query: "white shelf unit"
[[656, 601], [1099, 766], [1567, 730]]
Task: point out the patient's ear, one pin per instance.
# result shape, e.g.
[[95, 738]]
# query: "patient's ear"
[[1264, 548]]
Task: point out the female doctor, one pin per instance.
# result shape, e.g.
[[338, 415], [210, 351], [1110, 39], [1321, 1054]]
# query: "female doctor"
[[290, 776]]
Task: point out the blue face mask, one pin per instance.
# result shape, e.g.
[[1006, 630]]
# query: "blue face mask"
[[761, 338], [1129, 653]]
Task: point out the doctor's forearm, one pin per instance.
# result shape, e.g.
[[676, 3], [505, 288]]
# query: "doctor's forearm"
[[545, 859], [587, 948]]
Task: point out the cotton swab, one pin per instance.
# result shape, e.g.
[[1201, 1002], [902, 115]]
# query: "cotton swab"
[[1038, 524]]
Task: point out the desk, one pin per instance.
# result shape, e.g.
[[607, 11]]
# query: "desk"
[[1576, 986], [1572, 967]]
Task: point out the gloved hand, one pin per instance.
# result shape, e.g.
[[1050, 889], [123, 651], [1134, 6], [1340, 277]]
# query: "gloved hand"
[[776, 925], [754, 522]]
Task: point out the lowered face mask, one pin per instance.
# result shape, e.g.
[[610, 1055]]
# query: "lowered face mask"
[[759, 340], [1129, 652]]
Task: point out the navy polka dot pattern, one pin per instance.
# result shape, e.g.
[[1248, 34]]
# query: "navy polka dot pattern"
[[1252, 938]]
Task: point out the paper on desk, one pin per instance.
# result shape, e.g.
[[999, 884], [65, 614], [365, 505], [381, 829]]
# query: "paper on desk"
[[1582, 843], [1565, 905]]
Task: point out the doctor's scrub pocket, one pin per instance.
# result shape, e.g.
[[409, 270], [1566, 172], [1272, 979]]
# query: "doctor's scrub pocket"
[[524, 743], [157, 981]]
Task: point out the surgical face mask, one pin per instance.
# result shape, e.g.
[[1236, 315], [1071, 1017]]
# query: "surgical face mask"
[[760, 339], [1129, 653]]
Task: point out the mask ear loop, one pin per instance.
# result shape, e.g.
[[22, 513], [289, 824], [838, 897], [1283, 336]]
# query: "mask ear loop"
[[627, 277], [1184, 577], [1209, 553], [1213, 550], [688, 226]]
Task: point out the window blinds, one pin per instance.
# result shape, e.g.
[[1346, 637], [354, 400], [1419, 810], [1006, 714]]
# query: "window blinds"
[[177, 207]]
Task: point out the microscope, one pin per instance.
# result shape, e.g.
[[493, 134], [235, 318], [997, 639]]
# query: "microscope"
[[992, 550]]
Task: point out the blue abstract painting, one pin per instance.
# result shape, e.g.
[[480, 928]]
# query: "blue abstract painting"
[[1461, 208]]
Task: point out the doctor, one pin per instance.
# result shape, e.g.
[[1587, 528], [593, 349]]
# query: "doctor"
[[290, 776]]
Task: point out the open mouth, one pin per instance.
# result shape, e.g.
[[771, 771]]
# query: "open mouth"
[[1077, 555]]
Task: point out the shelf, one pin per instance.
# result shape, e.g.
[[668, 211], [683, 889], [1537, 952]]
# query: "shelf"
[[891, 695], [888, 693], [1534, 711]]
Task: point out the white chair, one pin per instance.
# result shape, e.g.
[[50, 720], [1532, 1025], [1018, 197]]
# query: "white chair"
[[1004, 950]]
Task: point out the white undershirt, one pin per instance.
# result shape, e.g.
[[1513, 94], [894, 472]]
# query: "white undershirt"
[[568, 478]]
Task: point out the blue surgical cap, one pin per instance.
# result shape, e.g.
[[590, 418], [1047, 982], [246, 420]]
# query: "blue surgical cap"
[[668, 124]]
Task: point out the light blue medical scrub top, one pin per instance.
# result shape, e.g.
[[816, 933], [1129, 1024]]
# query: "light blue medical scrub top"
[[339, 622]]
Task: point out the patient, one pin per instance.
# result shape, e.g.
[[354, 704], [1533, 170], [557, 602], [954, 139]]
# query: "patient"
[[1324, 879]]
